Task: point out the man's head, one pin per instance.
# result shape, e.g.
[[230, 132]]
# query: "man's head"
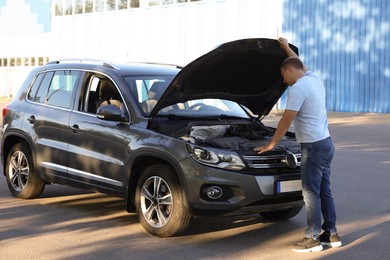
[[292, 69]]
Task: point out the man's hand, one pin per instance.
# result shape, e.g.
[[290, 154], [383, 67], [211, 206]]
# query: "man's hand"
[[284, 124], [283, 43], [264, 148], [290, 53]]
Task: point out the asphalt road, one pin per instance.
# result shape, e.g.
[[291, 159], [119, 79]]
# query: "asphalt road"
[[67, 223]]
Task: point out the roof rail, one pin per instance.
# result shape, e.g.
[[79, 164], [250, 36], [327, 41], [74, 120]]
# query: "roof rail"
[[93, 61], [162, 64]]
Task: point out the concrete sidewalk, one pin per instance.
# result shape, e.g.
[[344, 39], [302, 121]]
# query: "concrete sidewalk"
[[75, 224], [345, 119]]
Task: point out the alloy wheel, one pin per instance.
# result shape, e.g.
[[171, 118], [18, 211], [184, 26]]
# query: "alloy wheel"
[[18, 171], [156, 201]]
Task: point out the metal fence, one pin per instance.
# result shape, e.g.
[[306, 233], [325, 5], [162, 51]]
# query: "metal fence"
[[347, 42]]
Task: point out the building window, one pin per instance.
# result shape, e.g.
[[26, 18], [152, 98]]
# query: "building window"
[[40, 61], [58, 7], [110, 5], [167, 2], [122, 4], [153, 2], [99, 5], [74, 7], [78, 6], [134, 3], [23, 61], [68, 7], [88, 5]]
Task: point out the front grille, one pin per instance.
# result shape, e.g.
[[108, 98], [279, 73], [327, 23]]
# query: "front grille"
[[279, 200], [269, 161]]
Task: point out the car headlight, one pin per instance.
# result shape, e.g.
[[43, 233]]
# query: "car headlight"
[[216, 158]]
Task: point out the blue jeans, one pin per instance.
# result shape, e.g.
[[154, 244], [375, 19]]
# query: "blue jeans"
[[315, 169]]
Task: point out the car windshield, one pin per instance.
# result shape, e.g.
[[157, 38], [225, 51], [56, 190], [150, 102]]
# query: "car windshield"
[[142, 86], [147, 90], [205, 108]]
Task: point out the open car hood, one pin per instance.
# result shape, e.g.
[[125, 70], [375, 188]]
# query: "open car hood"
[[246, 71]]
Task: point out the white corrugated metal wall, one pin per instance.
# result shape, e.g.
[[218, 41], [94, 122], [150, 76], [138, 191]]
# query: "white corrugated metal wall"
[[176, 33], [171, 34]]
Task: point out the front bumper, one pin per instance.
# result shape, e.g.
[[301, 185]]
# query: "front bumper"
[[240, 193]]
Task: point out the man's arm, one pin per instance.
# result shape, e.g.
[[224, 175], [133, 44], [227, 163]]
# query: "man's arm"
[[290, 53], [283, 126]]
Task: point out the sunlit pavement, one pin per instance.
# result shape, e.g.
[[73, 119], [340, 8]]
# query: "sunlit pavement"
[[67, 223]]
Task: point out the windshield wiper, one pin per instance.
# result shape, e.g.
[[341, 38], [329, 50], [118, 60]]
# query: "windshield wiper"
[[234, 117], [224, 116], [208, 117]]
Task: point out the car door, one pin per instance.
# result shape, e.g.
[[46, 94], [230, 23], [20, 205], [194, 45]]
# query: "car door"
[[97, 148], [51, 96]]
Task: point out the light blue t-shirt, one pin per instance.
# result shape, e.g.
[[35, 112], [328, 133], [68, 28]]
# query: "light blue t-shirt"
[[307, 96]]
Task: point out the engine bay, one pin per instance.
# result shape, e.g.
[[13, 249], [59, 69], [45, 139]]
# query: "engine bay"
[[231, 137], [234, 135]]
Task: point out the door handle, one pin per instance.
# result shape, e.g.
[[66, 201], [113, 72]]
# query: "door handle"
[[75, 128], [31, 119]]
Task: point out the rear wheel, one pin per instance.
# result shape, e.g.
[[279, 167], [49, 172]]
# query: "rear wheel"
[[21, 178], [160, 202], [281, 214]]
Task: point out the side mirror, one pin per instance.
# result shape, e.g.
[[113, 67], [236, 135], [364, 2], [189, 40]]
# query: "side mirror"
[[110, 113]]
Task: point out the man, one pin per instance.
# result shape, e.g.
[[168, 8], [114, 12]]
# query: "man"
[[306, 107]]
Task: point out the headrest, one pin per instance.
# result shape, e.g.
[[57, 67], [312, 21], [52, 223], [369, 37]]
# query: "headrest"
[[157, 89], [107, 90]]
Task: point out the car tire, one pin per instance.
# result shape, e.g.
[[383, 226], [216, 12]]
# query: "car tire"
[[22, 180], [281, 214], [160, 203]]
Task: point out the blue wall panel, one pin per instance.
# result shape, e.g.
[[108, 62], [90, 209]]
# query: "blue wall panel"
[[348, 44]]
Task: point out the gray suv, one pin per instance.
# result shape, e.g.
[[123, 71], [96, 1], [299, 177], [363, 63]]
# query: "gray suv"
[[173, 142]]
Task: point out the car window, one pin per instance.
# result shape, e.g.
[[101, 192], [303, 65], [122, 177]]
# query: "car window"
[[42, 91], [32, 94], [61, 88], [54, 88], [101, 91], [38, 91]]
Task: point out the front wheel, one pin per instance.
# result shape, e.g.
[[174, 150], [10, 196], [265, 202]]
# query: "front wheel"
[[282, 214], [160, 202], [19, 170]]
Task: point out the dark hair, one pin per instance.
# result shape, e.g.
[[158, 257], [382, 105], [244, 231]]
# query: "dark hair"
[[293, 62]]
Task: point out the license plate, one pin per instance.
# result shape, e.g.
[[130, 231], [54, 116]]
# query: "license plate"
[[288, 186]]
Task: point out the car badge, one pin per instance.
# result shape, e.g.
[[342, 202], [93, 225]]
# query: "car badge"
[[291, 160]]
